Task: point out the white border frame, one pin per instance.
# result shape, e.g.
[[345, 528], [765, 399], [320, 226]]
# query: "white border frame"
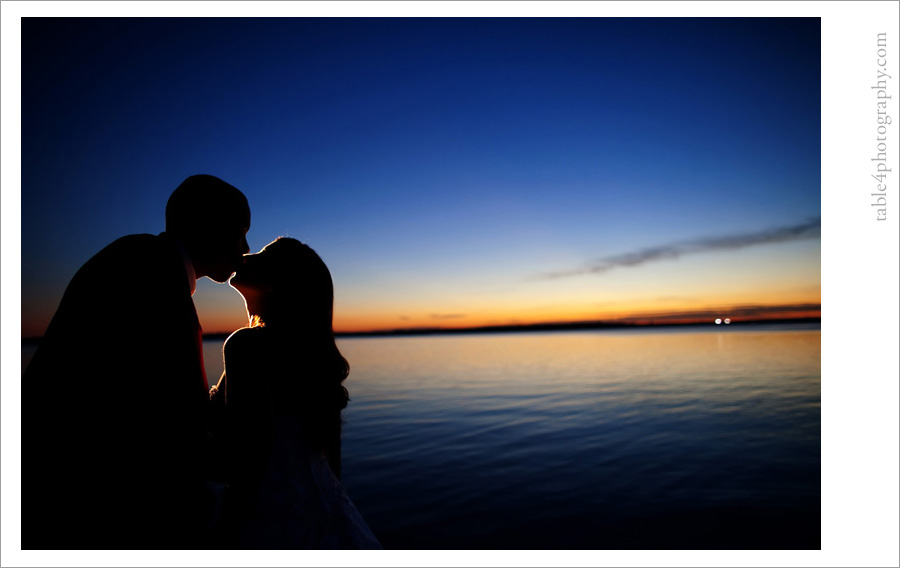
[[860, 395]]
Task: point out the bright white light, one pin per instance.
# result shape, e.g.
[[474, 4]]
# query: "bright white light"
[[727, 320], [718, 321]]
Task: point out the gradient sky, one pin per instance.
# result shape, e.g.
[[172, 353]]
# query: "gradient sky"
[[451, 172]]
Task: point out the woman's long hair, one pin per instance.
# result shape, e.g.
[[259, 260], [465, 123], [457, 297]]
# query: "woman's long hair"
[[298, 313]]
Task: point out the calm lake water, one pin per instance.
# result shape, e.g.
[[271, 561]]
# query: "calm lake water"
[[691, 438]]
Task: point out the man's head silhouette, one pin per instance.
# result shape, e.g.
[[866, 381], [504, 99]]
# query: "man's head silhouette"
[[211, 219]]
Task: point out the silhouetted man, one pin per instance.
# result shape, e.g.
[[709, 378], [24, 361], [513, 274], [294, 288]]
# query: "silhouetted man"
[[114, 438]]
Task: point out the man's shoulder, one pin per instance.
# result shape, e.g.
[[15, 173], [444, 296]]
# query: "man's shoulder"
[[136, 250], [132, 257], [143, 241]]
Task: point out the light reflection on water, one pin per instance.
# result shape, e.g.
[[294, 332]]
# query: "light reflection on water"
[[684, 438], [697, 439]]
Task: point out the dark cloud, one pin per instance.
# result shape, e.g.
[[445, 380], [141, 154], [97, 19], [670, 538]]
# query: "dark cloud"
[[809, 230], [736, 313]]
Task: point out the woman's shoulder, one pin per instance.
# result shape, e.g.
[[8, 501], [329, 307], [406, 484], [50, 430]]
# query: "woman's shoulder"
[[244, 339]]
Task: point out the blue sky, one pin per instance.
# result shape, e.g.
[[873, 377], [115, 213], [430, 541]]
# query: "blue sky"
[[438, 164]]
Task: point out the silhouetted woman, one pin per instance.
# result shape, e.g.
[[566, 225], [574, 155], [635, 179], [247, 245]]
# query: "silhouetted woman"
[[283, 399]]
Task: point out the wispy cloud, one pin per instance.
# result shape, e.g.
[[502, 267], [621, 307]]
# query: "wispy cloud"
[[810, 229], [447, 316]]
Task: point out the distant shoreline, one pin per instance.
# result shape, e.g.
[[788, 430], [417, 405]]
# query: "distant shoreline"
[[524, 328], [566, 326]]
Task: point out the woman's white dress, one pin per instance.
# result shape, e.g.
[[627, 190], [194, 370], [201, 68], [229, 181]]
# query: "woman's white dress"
[[299, 503]]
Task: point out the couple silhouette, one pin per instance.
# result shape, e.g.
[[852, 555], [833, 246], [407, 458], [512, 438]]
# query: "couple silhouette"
[[125, 445]]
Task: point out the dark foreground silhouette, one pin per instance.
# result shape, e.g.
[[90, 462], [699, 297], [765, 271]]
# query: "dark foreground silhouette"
[[280, 403], [115, 446]]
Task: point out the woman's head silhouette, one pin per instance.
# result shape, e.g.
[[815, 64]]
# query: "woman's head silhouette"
[[287, 285]]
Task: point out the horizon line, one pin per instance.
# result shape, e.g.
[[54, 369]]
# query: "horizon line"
[[647, 322]]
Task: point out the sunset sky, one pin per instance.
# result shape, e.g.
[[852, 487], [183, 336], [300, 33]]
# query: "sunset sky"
[[450, 172]]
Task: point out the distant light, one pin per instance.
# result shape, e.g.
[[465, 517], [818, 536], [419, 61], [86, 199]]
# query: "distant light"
[[727, 320], [718, 321]]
